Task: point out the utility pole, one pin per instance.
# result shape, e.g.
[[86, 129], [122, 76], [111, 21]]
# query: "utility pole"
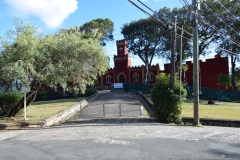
[[180, 72], [173, 50], [194, 24]]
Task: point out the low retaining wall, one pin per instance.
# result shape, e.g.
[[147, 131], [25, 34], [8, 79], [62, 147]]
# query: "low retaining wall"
[[147, 104], [188, 120], [69, 112]]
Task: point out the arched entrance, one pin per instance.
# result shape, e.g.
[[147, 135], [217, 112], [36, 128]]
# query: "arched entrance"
[[121, 79]]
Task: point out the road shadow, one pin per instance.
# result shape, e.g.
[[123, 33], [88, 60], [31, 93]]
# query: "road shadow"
[[110, 121]]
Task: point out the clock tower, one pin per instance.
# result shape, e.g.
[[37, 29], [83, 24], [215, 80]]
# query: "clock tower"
[[121, 47], [123, 59]]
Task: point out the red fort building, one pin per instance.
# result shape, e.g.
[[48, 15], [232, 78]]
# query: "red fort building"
[[123, 71]]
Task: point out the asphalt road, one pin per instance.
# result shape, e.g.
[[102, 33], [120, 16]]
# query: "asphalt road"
[[126, 137]]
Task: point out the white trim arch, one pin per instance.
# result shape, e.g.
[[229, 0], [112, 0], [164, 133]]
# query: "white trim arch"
[[135, 77], [108, 79]]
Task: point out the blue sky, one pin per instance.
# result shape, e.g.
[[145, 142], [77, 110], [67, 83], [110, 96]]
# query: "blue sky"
[[52, 15]]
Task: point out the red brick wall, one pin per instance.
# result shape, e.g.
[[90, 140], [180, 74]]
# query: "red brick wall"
[[209, 71]]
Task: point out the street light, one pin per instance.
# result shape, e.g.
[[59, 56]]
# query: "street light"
[[24, 90], [18, 84]]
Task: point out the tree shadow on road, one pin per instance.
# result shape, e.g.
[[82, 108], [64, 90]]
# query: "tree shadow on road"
[[110, 121]]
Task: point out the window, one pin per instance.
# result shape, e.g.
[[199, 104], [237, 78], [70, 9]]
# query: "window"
[[135, 77], [151, 77], [108, 79]]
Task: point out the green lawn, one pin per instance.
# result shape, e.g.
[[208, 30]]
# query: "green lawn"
[[43, 110], [221, 110]]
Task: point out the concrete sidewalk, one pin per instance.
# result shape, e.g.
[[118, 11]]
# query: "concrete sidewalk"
[[113, 108]]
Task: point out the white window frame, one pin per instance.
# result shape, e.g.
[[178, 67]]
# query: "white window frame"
[[108, 79], [135, 77], [151, 76]]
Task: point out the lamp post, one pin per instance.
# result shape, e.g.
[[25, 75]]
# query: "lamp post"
[[24, 91]]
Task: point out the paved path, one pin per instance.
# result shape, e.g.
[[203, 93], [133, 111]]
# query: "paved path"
[[102, 139], [119, 108]]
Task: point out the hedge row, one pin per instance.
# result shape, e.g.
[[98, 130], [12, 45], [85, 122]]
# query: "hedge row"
[[8, 100]]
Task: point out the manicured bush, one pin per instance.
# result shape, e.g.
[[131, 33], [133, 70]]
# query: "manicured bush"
[[166, 102], [8, 100], [41, 95], [90, 91]]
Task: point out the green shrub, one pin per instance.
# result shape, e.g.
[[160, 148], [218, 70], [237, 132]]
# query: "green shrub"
[[166, 103], [8, 100], [90, 91], [73, 92], [145, 90], [41, 95]]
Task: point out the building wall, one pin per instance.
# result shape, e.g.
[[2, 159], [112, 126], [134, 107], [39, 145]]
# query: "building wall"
[[208, 76], [209, 71]]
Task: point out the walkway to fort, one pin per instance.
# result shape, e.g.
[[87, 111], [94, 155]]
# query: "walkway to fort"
[[113, 108]]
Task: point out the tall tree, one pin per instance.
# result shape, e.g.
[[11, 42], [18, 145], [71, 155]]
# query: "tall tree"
[[53, 59], [144, 39], [167, 15], [104, 27], [230, 29]]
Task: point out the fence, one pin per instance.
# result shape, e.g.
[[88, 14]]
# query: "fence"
[[111, 110], [216, 94]]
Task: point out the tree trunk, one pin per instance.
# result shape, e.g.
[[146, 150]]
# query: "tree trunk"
[[147, 73], [8, 87], [35, 86], [233, 73], [30, 98]]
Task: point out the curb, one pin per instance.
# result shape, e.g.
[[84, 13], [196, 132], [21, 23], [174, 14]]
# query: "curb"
[[21, 125], [69, 112]]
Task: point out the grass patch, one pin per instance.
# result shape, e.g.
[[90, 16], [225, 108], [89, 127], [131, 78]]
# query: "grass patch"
[[43, 110], [221, 110]]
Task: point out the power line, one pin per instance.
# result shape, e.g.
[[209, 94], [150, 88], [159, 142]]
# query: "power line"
[[168, 21], [159, 21], [213, 27], [146, 6], [207, 7], [228, 10], [210, 45], [189, 9]]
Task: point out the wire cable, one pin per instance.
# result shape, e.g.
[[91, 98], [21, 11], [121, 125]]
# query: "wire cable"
[[213, 27], [210, 45], [207, 7], [228, 10], [168, 21], [159, 21], [152, 10]]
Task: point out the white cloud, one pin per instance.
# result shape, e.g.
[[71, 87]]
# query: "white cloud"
[[51, 12]]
